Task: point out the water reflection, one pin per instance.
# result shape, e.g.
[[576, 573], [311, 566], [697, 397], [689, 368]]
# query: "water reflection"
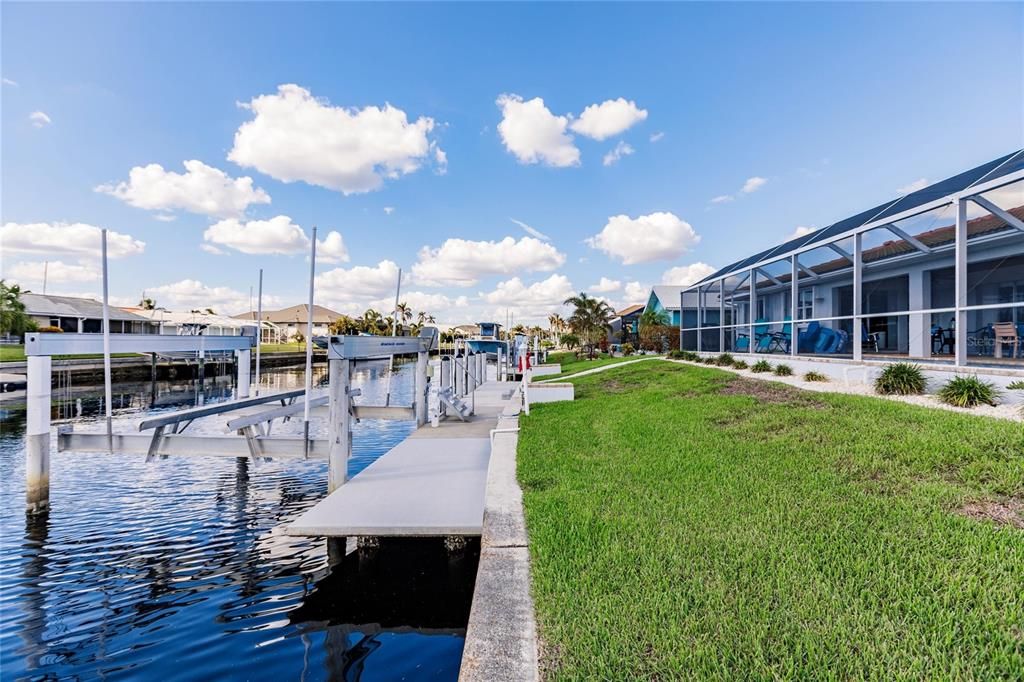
[[179, 568]]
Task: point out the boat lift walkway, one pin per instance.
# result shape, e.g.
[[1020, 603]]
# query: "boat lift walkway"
[[431, 484]]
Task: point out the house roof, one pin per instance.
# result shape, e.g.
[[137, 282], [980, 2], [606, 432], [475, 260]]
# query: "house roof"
[[631, 309], [988, 171], [174, 317], [43, 305], [293, 314], [668, 295]]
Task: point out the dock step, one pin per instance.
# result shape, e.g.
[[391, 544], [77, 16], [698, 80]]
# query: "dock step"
[[448, 397]]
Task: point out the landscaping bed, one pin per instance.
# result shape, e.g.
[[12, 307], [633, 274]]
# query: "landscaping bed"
[[688, 522]]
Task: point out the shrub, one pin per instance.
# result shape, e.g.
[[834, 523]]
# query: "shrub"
[[709, 361], [740, 364], [815, 376], [968, 392], [678, 354], [51, 330], [690, 356], [900, 378], [627, 349], [1016, 385], [761, 366], [724, 360], [783, 370]]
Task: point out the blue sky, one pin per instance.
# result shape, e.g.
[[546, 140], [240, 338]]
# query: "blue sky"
[[829, 108]]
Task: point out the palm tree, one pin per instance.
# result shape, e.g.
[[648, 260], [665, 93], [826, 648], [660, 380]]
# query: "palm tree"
[[372, 321], [403, 314], [590, 319], [13, 318], [345, 325], [556, 324], [652, 325], [147, 303]]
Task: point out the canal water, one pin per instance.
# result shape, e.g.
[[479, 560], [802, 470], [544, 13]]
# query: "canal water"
[[179, 569]]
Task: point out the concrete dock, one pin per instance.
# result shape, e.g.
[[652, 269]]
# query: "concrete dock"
[[431, 484]]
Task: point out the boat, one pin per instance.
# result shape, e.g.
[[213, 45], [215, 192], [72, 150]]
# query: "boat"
[[488, 339]]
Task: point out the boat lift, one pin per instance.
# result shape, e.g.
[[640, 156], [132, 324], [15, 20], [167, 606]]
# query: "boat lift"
[[248, 432]]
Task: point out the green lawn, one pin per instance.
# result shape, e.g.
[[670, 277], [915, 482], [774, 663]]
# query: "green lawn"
[[572, 365], [16, 353], [688, 523]]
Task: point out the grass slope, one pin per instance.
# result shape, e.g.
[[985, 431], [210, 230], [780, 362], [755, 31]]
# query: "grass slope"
[[571, 364], [686, 523]]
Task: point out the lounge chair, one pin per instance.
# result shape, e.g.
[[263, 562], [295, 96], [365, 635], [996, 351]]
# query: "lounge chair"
[[868, 341], [781, 340], [806, 338]]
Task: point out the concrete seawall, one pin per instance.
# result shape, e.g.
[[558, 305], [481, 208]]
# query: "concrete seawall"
[[501, 639]]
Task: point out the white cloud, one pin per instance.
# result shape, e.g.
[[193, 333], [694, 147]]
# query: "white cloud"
[[294, 136], [165, 217], [66, 239], [53, 271], [657, 137], [191, 294], [637, 292], [687, 274], [609, 118], [533, 134], [388, 210], [201, 189], [434, 304], [658, 236], [12, 83], [545, 295], [800, 231], [753, 184], [605, 286], [211, 249], [913, 186], [531, 230], [39, 119], [621, 149], [359, 282], [462, 262], [332, 249], [279, 235], [440, 158]]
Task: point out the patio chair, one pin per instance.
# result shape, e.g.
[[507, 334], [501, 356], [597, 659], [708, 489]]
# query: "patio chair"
[[1006, 335], [868, 341], [806, 338], [780, 340], [826, 340]]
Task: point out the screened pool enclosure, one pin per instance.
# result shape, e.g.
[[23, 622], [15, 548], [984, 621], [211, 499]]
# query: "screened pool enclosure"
[[936, 275]]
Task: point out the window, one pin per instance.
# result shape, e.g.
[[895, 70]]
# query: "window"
[[762, 309], [805, 304]]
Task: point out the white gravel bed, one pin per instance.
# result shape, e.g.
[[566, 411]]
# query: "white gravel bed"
[[1007, 411]]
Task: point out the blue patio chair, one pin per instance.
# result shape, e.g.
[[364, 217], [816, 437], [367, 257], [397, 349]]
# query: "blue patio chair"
[[826, 339], [805, 339], [841, 341], [780, 341]]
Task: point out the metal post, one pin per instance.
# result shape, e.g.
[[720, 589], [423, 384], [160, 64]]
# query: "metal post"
[[242, 359], [470, 372], [422, 358], [858, 288], [259, 330], [526, 390], [339, 429], [460, 376], [37, 435], [721, 316], [499, 375], [446, 382], [960, 316], [752, 316], [700, 317], [108, 400], [794, 297], [309, 343]]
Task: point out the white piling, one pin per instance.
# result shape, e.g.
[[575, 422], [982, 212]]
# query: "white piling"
[[497, 367], [242, 369], [339, 429], [37, 434], [420, 397], [108, 399], [309, 342], [259, 330], [460, 375]]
